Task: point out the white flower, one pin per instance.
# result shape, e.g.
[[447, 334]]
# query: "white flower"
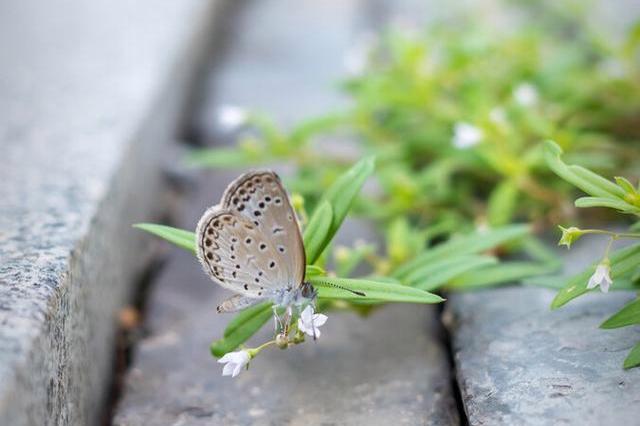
[[234, 362], [466, 135], [601, 277], [310, 322], [525, 94], [230, 117]]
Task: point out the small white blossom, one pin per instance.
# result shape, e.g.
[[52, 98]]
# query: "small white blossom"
[[309, 322], [234, 362], [230, 117], [525, 94], [601, 277], [466, 135]]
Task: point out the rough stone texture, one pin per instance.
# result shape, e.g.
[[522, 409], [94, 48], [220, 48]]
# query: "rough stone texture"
[[520, 363], [89, 92], [389, 368]]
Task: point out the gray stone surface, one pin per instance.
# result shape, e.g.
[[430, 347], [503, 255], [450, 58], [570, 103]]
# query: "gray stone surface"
[[89, 93], [520, 363], [389, 368]]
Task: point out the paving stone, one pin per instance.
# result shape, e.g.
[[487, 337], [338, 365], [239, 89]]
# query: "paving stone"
[[520, 363], [389, 368], [89, 92]]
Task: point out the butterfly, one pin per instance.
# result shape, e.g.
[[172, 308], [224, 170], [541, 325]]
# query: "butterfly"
[[251, 244]]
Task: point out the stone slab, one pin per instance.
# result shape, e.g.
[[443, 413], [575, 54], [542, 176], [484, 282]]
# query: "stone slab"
[[520, 363], [90, 92], [389, 368]]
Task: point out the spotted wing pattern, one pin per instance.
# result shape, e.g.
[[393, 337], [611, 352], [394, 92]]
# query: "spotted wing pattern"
[[251, 242]]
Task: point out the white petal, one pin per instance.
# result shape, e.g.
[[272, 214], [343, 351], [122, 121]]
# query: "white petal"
[[228, 369], [319, 320], [307, 314], [228, 357], [317, 333], [237, 370], [303, 327], [592, 283], [604, 286]]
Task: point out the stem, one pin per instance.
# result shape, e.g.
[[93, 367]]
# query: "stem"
[[615, 235]]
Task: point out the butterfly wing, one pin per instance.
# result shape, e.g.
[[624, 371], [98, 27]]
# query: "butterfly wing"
[[260, 198], [236, 303], [235, 254]]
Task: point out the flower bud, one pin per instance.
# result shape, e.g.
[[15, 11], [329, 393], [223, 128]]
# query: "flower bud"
[[569, 236]]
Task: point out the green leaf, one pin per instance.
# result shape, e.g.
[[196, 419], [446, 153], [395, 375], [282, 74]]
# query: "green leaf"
[[329, 288], [629, 315], [622, 262], [633, 359], [503, 273], [314, 270], [339, 197], [580, 177], [345, 189], [241, 328], [179, 237], [441, 271], [317, 231], [473, 243], [625, 185], [606, 202], [502, 203]]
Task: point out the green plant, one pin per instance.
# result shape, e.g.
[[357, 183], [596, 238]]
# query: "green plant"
[[618, 269], [405, 281]]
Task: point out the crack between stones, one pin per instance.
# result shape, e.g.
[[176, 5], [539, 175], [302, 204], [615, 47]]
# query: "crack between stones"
[[447, 342]]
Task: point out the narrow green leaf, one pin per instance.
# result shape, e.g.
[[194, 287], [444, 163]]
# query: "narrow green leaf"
[[442, 277], [628, 315], [179, 237], [314, 270], [328, 288], [623, 206], [622, 262], [241, 328], [606, 188], [503, 273], [625, 185], [573, 175], [470, 244], [633, 359], [315, 234], [439, 266], [344, 191], [502, 203]]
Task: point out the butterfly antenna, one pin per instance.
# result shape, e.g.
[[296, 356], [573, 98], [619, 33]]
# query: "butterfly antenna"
[[357, 293]]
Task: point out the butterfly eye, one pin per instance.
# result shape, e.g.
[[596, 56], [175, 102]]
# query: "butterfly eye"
[[263, 246], [257, 213], [272, 264], [247, 241], [278, 200], [267, 199], [281, 249]]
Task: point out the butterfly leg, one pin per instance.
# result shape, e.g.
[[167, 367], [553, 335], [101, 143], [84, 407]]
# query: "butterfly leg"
[[277, 320]]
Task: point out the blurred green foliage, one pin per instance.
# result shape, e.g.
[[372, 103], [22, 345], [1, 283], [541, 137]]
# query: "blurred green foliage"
[[456, 116]]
